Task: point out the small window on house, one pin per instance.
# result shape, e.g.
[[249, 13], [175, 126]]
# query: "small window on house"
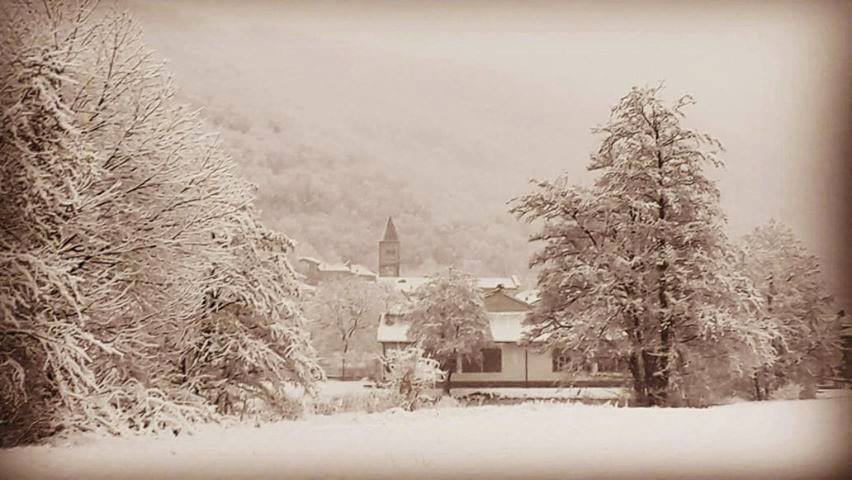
[[561, 360], [608, 364], [490, 361]]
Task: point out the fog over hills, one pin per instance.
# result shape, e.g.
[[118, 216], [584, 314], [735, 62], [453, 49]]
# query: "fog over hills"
[[438, 113]]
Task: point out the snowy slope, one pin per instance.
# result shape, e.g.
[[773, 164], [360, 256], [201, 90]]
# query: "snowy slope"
[[778, 440]]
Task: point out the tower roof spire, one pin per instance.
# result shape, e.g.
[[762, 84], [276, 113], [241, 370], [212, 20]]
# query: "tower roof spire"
[[390, 232]]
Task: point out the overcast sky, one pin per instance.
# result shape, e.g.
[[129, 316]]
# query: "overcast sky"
[[503, 91]]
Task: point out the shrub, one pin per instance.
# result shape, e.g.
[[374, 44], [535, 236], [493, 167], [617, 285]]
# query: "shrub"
[[410, 374], [790, 391], [446, 401], [375, 401]]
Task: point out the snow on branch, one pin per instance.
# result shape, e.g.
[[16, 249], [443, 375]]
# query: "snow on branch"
[[140, 291]]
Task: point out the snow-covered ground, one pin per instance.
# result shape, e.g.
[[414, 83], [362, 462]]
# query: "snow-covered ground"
[[336, 388], [595, 393], [778, 440]]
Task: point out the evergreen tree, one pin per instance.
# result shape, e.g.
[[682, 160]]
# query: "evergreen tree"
[[638, 263]]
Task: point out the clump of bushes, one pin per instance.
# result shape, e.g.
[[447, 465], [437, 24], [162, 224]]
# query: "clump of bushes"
[[789, 391], [377, 400], [411, 374]]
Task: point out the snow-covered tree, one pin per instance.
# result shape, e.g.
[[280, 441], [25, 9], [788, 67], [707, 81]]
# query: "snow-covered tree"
[[248, 340], [638, 264], [796, 300], [448, 320], [342, 309], [138, 289], [410, 374]]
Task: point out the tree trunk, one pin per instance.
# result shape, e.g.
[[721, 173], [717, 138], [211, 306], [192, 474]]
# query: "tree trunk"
[[757, 394], [343, 360], [449, 367], [658, 360], [640, 388], [657, 377], [405, 390]]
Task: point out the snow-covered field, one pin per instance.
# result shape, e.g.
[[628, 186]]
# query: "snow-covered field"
[[548, 393], [779, 440], [335, 388]]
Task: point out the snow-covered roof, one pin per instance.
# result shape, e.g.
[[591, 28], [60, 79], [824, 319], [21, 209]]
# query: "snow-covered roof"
[[333, 267], [529, 296], [495, 282], [505, 327], [404, 284], [390, 232], [392, 329], [355, 268], [359, 269], [409, 284]]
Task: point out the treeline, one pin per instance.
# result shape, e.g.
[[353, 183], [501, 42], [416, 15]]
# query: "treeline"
[[336, 202], [139, 292], [639, 265]]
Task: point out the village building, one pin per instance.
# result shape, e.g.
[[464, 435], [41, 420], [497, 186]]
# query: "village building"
[[316, 271], [508, 361], [390, 268]]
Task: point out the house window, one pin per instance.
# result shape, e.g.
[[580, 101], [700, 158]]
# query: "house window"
[[564, 360], [561, 360], [608, 364], [490, 361]]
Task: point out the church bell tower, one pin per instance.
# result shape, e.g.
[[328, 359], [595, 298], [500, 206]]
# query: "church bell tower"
[[389, 252]]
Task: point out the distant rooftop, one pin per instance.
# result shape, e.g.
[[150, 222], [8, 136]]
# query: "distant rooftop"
[[359, 269], [529, 296], [409, 284], [505, 327], [354, 268], [390, 232]]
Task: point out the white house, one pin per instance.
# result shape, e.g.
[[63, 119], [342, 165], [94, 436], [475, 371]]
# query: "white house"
[[508, 362]]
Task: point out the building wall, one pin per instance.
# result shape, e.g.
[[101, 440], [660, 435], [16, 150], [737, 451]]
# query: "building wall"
[[520, 364], [500, 302], [528, 365], [540, 366], [512, 368], [389, 258], [311, 272], [524, 366]]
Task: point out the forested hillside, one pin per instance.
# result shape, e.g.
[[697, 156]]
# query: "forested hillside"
[[438, 114], [335, 202]]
